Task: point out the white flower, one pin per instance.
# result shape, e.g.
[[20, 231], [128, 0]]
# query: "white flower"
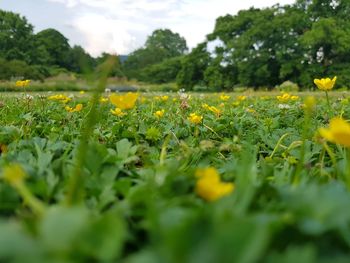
[[29, 97], [283, 106]]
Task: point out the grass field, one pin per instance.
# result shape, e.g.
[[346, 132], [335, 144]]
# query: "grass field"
[[174, 177]]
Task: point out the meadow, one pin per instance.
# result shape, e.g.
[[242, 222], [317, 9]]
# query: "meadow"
[[174, 177]]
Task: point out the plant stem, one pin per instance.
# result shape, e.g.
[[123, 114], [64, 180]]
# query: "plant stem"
[[76, 186]]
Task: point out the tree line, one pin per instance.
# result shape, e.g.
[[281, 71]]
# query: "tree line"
[[38, 56], [254, 48]]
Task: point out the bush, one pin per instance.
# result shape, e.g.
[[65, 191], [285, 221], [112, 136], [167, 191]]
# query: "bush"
[[20, 69], [288, 86], [163, 72]]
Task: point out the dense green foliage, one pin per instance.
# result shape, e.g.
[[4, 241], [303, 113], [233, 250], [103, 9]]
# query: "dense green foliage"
[[139, 204], [156, 58], [265, 47], [254, 48], [24, 54]]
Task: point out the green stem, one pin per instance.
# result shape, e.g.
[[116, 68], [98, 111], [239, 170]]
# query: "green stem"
[[332, 156], [35, 204], [76, 186], [329, 104], [163, 152], [278, 145], [347, 173]]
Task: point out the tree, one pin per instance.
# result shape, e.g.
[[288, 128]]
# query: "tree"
[[55, 45], [193, 67], [16, 37], [116, 70], [171, 44], [80, 61], [161, 45], [163, 72]]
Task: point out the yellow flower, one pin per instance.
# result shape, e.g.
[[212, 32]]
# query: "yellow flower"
[[60, 97], [82, 92], [284, 97], [294, 97], [325, 84], [124, 102], [215, 110], [205, 106], [164, 98], [77, 108], [224, 97], [338, 132], [22, 83], [241, 98], [103, 100], [194, 118], [118, 112], [235, 103], [250, 110], [159, 113], [212, 109], [14, 174], [209, 185]]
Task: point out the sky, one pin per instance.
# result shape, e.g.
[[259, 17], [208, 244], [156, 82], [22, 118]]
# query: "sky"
[[121, 26]]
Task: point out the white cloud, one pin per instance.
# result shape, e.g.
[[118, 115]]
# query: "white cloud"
[[120, 26], [105, 34]]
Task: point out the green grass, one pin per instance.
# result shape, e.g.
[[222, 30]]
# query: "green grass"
[[290, 202]]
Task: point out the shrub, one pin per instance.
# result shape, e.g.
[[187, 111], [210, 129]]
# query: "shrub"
[[288, 86]]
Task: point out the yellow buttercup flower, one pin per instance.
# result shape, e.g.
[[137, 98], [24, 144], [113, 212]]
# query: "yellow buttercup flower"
[[195, 119], [60, 97], [124, 102], [164, 98], [325, 84], [294, 97], [159, 113], [205, 106], [284, 97], [338, 132], [250, 110], [215, 110], [212, 109], [22, 83], [82, 92], [77, 108], [209, 185], [103, 100], [235, 103], [241, 98], [224, 97], [118, 112], [14, 174]]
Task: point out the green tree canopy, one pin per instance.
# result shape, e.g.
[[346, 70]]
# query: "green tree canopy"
[[265, 47], [16, 37], [171, 44], [55, 45], [162, 44]]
